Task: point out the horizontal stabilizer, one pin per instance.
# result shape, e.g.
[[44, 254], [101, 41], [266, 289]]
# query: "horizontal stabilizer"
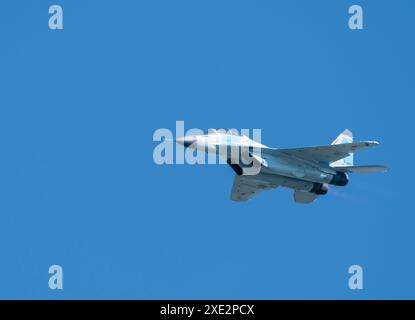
[[304, 197], [361, 169]]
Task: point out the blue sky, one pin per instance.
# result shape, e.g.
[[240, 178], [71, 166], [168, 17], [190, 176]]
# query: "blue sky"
[[79, 188]]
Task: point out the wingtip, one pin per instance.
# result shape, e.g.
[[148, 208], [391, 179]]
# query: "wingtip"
[[371, 143]]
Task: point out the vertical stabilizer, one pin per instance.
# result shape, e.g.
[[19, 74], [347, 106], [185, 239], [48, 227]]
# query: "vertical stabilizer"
[[345, 137]]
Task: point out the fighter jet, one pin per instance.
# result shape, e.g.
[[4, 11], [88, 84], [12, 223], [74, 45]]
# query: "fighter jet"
[[307, 170]]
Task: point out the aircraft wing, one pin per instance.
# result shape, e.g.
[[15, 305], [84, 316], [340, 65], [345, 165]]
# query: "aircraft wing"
[[246, 187], [327, 153]]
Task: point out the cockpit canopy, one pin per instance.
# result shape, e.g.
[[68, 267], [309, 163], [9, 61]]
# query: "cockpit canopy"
[[232, 132]]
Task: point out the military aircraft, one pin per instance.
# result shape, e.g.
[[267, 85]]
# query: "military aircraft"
[[307, 170]]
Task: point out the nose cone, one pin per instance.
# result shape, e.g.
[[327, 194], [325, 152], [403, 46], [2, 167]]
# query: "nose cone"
[[186, 141]]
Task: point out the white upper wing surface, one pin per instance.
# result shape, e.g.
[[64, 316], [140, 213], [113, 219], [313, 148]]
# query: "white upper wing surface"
[[327, 153]]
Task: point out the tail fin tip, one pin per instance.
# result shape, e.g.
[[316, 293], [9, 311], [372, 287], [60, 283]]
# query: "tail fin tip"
[[348, 133], [345, 137]]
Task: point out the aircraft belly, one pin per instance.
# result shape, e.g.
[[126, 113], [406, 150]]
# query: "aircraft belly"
[[296, 169], [287, 182]]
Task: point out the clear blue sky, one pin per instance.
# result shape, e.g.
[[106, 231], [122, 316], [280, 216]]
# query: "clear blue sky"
[[78, 186]]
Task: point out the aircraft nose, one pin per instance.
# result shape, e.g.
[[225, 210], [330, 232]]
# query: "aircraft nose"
[[186, 141]]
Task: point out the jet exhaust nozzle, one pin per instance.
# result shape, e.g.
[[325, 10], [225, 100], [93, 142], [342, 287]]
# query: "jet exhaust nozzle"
[[320, 188], [340, 179]]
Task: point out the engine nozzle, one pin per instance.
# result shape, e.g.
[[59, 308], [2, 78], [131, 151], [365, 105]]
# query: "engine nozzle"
[[320, 188], [340, 179]]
